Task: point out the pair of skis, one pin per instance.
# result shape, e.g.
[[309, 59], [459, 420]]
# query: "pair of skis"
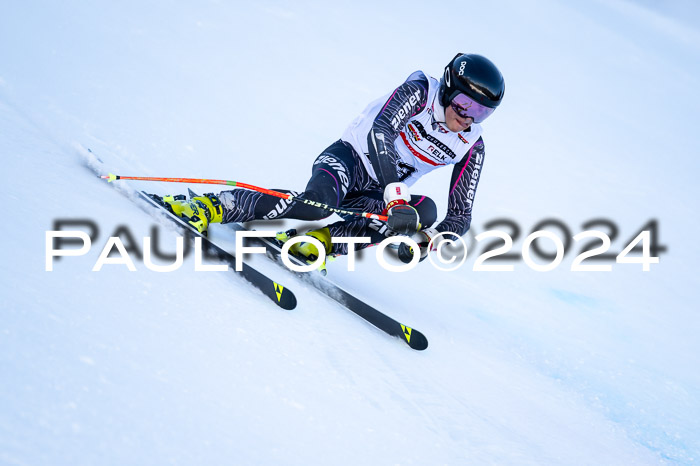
[[283, 296]]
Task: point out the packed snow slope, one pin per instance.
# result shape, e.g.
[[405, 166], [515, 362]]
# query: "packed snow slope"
[[524, 367]]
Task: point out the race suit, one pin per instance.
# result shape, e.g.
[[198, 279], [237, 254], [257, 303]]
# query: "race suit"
[[398, 137]]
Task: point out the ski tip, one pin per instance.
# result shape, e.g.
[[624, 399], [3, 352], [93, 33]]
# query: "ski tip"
[[418, 342], [414, 338], [284, 297], [289, 304]]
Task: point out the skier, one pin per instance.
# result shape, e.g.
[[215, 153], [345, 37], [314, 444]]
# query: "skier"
[[421, 125]]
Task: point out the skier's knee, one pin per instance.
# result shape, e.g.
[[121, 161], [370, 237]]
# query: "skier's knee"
[[427, 209], [315, 212]]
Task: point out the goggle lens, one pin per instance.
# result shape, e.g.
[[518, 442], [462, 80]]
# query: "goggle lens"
[[466, 107]]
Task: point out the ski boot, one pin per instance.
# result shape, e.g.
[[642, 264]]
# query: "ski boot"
[[199, 211], [307, 251]]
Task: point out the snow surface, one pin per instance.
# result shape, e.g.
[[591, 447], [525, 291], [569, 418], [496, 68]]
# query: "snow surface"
[[118, 367]]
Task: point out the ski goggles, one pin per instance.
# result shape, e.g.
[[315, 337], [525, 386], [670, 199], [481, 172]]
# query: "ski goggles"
[[466, 107]]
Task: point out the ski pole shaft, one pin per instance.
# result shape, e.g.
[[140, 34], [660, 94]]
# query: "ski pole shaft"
[[238, 184]]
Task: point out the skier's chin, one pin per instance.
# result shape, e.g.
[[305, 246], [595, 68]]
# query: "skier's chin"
[[458, 127]]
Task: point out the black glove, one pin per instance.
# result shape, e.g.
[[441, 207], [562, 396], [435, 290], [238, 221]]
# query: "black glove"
[[422, 238], [403, 218]]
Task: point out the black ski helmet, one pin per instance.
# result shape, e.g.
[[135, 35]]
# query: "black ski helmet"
[[475, 76]]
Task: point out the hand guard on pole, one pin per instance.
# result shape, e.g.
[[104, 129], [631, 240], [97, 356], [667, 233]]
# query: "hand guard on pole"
[[402, 217]]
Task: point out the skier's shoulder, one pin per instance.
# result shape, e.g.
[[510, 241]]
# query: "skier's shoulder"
[[422, 79], [476, 151], [418, 90], [419, 76], [468, 145]]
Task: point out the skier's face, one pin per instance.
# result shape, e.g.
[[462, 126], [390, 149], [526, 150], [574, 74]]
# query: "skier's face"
[[456, 123]]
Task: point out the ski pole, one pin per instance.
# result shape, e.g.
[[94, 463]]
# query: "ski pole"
[[111, 177]]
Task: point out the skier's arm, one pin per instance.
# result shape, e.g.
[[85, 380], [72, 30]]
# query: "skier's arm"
[[465, 178], [408, 99]]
